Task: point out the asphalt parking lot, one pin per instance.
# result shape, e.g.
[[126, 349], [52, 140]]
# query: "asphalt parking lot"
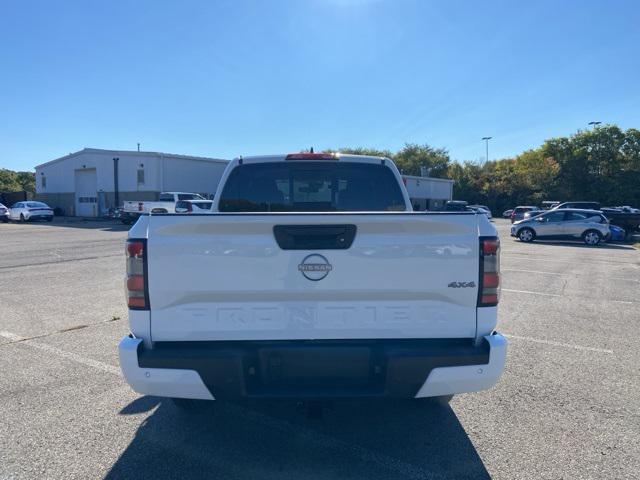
[[568, 405]]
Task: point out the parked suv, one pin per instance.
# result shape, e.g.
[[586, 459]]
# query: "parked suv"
[[581, 205], [589, 225], [518, 212]]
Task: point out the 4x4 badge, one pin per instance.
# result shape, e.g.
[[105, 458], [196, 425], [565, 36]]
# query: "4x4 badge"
[[462, 285]]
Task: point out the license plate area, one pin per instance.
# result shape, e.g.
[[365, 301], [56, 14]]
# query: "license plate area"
[[315, 371]]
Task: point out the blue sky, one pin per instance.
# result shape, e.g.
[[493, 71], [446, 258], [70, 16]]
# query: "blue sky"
[[224, 78]]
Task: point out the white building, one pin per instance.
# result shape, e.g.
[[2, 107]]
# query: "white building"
[[427, 193], [89, 182]]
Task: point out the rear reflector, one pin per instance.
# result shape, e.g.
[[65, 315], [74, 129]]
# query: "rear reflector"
[[490, 280], [489, 299], [489, 288], [137, 303], [136, 284]]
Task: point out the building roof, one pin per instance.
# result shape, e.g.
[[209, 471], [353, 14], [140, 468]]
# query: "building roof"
[[133, 153]]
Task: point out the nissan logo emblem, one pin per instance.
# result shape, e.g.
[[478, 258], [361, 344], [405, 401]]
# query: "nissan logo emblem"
[[315, 267]]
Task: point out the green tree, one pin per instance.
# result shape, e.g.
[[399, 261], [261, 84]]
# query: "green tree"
[[8, 181], [413, 156], [27, 181]]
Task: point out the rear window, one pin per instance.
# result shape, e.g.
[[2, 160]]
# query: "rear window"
[[37, 205], [311, 187]]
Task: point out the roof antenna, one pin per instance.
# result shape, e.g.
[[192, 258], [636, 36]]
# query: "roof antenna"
[[138, 146], [311, 151]]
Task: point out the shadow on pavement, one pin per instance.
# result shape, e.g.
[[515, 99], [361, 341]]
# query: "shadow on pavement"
[[605, 246], [355, 439]]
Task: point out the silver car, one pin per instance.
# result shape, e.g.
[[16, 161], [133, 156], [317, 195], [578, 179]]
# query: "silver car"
[[4, 213], [589, 225]]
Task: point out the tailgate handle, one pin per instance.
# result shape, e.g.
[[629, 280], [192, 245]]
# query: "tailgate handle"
[[314, 237]]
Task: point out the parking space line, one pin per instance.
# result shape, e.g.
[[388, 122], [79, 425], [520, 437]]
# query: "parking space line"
[[532, 293], [556, 262], [558, 344], [528, 292], [105, 367], [53, 262], [565, 274]]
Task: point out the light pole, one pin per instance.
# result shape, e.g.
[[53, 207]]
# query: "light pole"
[[595, 124], [486, 139]]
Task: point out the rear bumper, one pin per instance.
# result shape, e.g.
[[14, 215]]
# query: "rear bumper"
[[312, 369]]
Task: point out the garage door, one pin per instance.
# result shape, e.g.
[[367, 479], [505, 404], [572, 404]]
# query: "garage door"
[[86, 193]]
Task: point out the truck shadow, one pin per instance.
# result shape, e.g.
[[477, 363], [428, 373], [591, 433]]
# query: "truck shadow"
[[355, 439]]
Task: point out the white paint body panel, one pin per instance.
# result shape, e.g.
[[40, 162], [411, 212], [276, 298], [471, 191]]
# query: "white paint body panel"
[[224, 277], [163, 382], [467, 378]]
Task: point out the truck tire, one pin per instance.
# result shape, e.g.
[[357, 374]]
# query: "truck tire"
[[190, 405], [526, 235], [592, 237]]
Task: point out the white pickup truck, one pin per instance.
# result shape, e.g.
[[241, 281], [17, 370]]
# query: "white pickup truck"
[[312, 278], [132, 209]]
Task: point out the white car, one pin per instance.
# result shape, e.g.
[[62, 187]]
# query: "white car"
[[482, 209], [308, 280], [30, 210], [4, 213]]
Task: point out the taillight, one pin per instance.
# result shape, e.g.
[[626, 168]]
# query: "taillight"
[[489, 289], [136, 283]]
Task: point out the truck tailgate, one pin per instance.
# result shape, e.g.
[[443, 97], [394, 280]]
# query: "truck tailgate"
[[294, 276]]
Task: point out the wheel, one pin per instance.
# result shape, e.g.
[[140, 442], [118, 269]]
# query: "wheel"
[[526, 235], [592, 237], [22, 219], [190, 405]]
